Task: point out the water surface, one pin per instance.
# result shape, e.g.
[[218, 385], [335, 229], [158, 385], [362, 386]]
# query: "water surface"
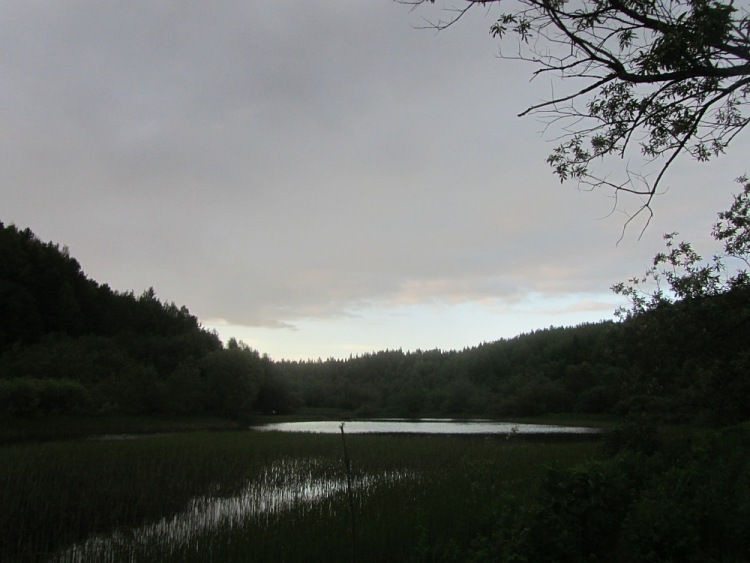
[[289, 483], [423, 426]]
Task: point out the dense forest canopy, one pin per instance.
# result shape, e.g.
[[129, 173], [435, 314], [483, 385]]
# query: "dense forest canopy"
[[69, 344], [678, 353]]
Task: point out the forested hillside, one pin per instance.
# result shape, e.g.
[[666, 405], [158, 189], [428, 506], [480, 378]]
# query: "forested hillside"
[[551, 370], [681, 351], [679, 362], [69, 344]]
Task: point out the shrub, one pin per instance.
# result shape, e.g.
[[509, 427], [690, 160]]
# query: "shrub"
[[25, 396]]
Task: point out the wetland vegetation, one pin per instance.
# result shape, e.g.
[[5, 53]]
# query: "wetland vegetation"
[[669, 482], [264, 496], [631, 494]]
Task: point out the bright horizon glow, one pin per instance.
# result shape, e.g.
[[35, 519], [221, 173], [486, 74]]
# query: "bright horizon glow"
[[361, 186], [416, 327]]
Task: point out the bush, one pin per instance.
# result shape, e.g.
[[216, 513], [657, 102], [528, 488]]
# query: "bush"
[[697, 510], [688, 500], [25, 397]]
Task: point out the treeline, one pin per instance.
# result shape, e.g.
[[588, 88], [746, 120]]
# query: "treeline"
[[681, 351], [552, 370], [681, 361], [71, 345]]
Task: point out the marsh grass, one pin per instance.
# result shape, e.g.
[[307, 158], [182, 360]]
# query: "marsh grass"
[[416, 497], [61, 427]]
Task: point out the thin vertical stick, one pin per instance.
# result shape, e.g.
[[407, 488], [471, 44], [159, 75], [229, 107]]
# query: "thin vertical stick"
[[349, 492]]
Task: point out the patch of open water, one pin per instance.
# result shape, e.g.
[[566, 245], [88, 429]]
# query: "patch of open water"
[[284, 484], [424, 426]]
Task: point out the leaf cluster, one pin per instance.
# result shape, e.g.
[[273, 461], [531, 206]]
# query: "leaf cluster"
[[680, 273], [643, 82]]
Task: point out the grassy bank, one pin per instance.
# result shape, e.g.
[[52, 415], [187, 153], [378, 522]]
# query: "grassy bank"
[[57, 493], [61, 427]]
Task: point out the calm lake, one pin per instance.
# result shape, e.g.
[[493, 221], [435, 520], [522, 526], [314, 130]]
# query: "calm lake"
[[423, 426]]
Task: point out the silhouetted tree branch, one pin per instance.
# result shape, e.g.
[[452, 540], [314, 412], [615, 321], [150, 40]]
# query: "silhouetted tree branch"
[[652, 80]]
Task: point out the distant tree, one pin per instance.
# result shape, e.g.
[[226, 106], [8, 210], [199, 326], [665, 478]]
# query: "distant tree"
[[186, 389], [275, 395], [233, 380], [24, 396], [657, 77]]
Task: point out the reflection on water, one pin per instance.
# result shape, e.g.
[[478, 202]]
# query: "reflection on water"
[[307, 484], [425, 426], [284, 484]]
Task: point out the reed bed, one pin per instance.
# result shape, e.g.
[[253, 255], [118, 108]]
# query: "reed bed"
[[252, 496]]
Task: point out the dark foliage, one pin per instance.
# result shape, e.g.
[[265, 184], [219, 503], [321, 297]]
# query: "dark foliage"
[[681, 361], [71, 345], [678, 359], [682, 500], [681, 353], [551, 370]]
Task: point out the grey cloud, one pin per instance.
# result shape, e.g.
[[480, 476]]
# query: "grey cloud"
[[267, 162]]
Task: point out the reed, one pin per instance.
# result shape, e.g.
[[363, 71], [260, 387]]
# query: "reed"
[[350, 497], [270, 496]]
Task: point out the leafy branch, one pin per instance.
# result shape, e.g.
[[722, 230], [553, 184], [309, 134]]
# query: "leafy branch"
[[662, 79]]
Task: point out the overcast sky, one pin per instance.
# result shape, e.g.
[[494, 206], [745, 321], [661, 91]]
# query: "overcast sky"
[[318, 179]]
